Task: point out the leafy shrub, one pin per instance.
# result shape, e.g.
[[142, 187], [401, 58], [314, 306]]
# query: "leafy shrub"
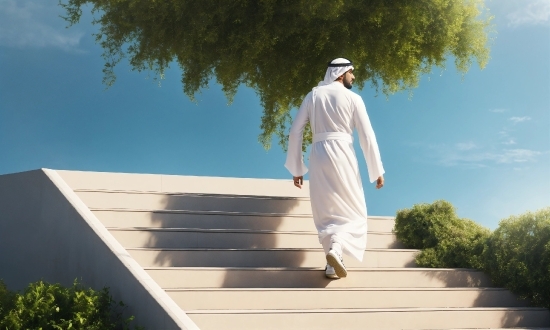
[[518, 256], [6, 299], [51, 306], [445, 239]]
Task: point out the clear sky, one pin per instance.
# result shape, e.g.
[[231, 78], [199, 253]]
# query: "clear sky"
[[481, 141]]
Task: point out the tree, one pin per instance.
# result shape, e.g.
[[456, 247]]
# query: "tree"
[[281, 47]]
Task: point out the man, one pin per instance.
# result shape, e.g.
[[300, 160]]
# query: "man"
[[336, 191]]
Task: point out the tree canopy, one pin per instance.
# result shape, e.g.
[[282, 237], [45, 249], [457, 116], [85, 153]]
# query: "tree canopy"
[[280, 47]]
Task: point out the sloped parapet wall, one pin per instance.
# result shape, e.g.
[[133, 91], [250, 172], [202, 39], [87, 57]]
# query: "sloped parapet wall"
[[176, 184], [47, 233]]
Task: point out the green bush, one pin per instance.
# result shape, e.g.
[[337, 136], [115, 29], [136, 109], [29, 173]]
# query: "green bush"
[[6, 300], [445, 239], [52, 306], [518, 256]]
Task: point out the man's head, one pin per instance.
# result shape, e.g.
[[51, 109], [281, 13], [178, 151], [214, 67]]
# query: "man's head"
[[340, 70], [347, 79]]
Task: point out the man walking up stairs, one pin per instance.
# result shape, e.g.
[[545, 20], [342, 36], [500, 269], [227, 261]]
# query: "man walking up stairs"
[[337, 198]]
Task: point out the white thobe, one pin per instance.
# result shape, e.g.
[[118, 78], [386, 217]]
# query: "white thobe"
[[336, 191]]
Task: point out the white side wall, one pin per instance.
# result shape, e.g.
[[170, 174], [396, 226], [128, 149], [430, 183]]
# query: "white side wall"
[[47, 233]]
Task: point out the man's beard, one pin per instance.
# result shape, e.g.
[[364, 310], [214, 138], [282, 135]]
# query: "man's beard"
[[347, 84]]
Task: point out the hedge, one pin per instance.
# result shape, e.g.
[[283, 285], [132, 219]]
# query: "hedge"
[[446, 240], [51, 306], [516, 255]]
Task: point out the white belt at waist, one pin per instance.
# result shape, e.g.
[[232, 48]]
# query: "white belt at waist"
[[332, 136]]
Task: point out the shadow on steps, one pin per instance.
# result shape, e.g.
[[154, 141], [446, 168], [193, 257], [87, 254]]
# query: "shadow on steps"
[[233, 204]]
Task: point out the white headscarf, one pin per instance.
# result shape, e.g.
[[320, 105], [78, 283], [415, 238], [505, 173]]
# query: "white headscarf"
[[334, 72]]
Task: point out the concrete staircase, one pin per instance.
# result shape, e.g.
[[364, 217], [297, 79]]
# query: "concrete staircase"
[[244, 254]]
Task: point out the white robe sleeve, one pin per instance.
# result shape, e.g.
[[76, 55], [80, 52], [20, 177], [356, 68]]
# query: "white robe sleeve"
[[367, 140], [294, 157]]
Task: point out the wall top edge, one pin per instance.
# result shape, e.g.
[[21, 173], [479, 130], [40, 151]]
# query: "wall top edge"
[[166, 175], [170, 183]]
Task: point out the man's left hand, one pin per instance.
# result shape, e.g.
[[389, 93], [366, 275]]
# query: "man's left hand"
[[380, 182]]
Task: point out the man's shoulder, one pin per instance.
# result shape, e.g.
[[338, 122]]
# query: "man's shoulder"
[[339, 88], [308, 96], [353, 95], [343, 89]]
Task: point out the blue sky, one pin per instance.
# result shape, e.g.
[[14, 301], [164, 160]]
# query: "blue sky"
[[481, 141]]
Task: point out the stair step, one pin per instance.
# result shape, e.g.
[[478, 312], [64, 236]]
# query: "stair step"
[[148, 257], [220, 220], [196, 202], [314, 277], [233, 238], [331, 298], [395, 318]]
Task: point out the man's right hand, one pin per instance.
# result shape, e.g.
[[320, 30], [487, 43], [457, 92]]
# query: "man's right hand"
[[298, 181], [380, 182]]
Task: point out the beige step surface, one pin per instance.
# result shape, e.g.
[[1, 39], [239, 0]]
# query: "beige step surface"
[[331, 298], [220, 220], [314, 277], [148, 257], [233, 238], [405, 318], [197, 202]]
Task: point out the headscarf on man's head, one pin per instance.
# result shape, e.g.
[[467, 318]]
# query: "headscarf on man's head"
[[336, 68]]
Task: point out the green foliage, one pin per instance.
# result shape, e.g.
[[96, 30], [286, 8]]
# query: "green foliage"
[[445, 239], [51, 306], [518, 256], [281, 47], [6, 299]]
